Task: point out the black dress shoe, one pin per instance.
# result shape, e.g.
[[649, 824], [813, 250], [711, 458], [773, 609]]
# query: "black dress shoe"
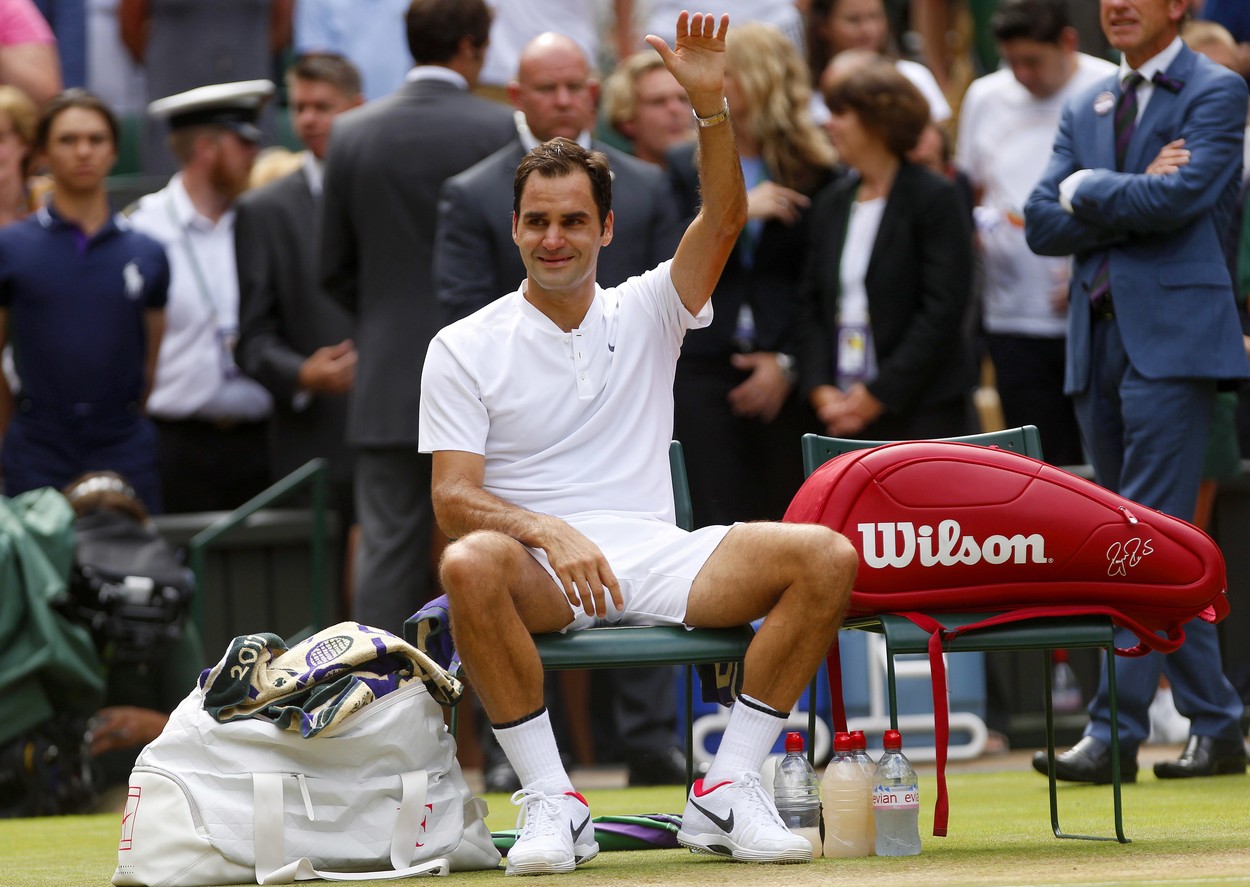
[[1089, 761], [1204, 756], [499, 775], [663, 766]]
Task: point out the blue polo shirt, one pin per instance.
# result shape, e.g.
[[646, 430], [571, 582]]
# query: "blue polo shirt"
[[76, 310]]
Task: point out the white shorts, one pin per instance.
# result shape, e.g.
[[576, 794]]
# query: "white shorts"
[[654, 562]]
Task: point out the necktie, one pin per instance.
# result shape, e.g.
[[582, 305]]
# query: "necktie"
[[1126, 116], [1125, 123]]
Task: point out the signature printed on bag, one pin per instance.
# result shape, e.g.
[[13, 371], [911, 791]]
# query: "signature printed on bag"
[[1122, 555]]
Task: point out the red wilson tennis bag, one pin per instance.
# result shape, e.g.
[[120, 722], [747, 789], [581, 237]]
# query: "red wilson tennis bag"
[[945, 526]]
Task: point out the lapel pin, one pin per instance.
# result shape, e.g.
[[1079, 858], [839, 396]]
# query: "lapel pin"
[[1103, 103]]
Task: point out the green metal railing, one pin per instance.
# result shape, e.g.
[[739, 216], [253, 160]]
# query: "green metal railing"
[[311, 475]]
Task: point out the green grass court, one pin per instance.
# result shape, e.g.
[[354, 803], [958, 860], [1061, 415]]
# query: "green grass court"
[[1183, 832]]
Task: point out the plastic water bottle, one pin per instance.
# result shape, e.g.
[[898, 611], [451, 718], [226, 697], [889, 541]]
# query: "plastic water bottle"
[[896, 801], [846, 802], [1065, 689], [859, 751], [796, 792]]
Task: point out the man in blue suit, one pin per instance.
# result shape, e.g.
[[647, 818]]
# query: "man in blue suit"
[[1141, 188]]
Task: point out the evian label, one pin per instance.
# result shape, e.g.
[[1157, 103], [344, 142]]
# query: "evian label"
[[890, 544]]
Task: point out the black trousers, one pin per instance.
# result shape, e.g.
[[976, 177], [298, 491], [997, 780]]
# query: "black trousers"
[[211, 466]]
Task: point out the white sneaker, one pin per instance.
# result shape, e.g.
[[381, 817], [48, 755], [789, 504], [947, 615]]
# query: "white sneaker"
[[739, 819], [556, 834]]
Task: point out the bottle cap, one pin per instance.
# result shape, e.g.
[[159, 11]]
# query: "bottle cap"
[[859, 742], [842, 742], [794, 742], [893, 739]]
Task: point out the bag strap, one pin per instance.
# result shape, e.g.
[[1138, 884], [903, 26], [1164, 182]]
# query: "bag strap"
[[938, 634], [270, 842]]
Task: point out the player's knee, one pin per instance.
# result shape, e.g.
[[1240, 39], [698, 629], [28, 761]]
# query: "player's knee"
[[830, 561], [470, 566]]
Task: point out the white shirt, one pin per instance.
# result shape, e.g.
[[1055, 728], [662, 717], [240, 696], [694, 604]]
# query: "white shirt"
[[1005, 139], [921, 78], [570, 423], [517, 22], [195, 375]]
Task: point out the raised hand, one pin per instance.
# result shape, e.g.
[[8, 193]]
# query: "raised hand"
[[697, 58]]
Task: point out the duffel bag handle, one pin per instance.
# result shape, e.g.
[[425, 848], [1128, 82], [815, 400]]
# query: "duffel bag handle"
[[270, 842]]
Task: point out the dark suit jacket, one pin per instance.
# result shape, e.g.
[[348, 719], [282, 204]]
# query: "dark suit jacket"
[[1173, 295], [386, 163], [284, 316], [919, 283], [770, 285], [476, 262]]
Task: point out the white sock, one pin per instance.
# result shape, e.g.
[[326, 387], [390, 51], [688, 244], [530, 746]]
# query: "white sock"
[[753, 728], [530, 745]]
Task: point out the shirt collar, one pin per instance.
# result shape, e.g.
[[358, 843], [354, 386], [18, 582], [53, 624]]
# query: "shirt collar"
[[1158, 62], [185, 213], [436, 72], [544, 323], [530, 142], [49, 218], [314, 173]]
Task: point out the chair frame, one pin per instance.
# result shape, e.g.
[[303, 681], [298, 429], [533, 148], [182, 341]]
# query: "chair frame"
[[635, 646], [1044, 634]]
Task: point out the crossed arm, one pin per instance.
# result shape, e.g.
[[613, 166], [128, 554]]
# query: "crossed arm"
[[1185, 180]]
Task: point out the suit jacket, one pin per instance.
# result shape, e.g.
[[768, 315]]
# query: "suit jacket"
[[769, 285], [387, 161], [919, 283], [284, 316], [476, 262], [1165, 234]]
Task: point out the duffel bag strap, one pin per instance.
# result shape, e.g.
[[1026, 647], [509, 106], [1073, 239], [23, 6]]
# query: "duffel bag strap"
[[270, 843]]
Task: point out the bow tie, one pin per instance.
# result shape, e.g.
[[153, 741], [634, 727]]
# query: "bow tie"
[[1164, 81]]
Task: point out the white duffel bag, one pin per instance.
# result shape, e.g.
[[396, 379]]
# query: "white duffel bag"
[[377, 795]]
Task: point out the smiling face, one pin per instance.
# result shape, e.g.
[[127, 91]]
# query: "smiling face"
[[1141, 29], [558, 233]]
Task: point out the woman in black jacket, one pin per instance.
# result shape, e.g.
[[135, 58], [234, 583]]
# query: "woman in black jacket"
[[884, 353]]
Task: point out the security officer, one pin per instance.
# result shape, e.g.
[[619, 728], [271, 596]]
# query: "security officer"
[[211, 418]]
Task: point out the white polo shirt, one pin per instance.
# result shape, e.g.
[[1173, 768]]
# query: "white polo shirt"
[[195, 371], [570, 423]]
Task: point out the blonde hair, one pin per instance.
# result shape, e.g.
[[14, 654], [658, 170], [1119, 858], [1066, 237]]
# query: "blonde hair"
[[23, 113], [775, 83], [618, 96], [274, 163]]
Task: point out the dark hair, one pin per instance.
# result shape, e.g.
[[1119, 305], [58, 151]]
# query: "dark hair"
[[436, 27], [327, 67], [886, 103], [563, 157], [74, 98], [1041, 20]]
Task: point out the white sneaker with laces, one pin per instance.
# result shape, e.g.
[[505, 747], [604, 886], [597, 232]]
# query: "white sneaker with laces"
[[739, 819], [556, 834]]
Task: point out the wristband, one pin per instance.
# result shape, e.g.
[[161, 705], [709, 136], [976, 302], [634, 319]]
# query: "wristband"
[[719, 117]]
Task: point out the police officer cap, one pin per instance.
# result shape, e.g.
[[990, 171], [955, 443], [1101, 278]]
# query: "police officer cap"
[[235, 106]]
